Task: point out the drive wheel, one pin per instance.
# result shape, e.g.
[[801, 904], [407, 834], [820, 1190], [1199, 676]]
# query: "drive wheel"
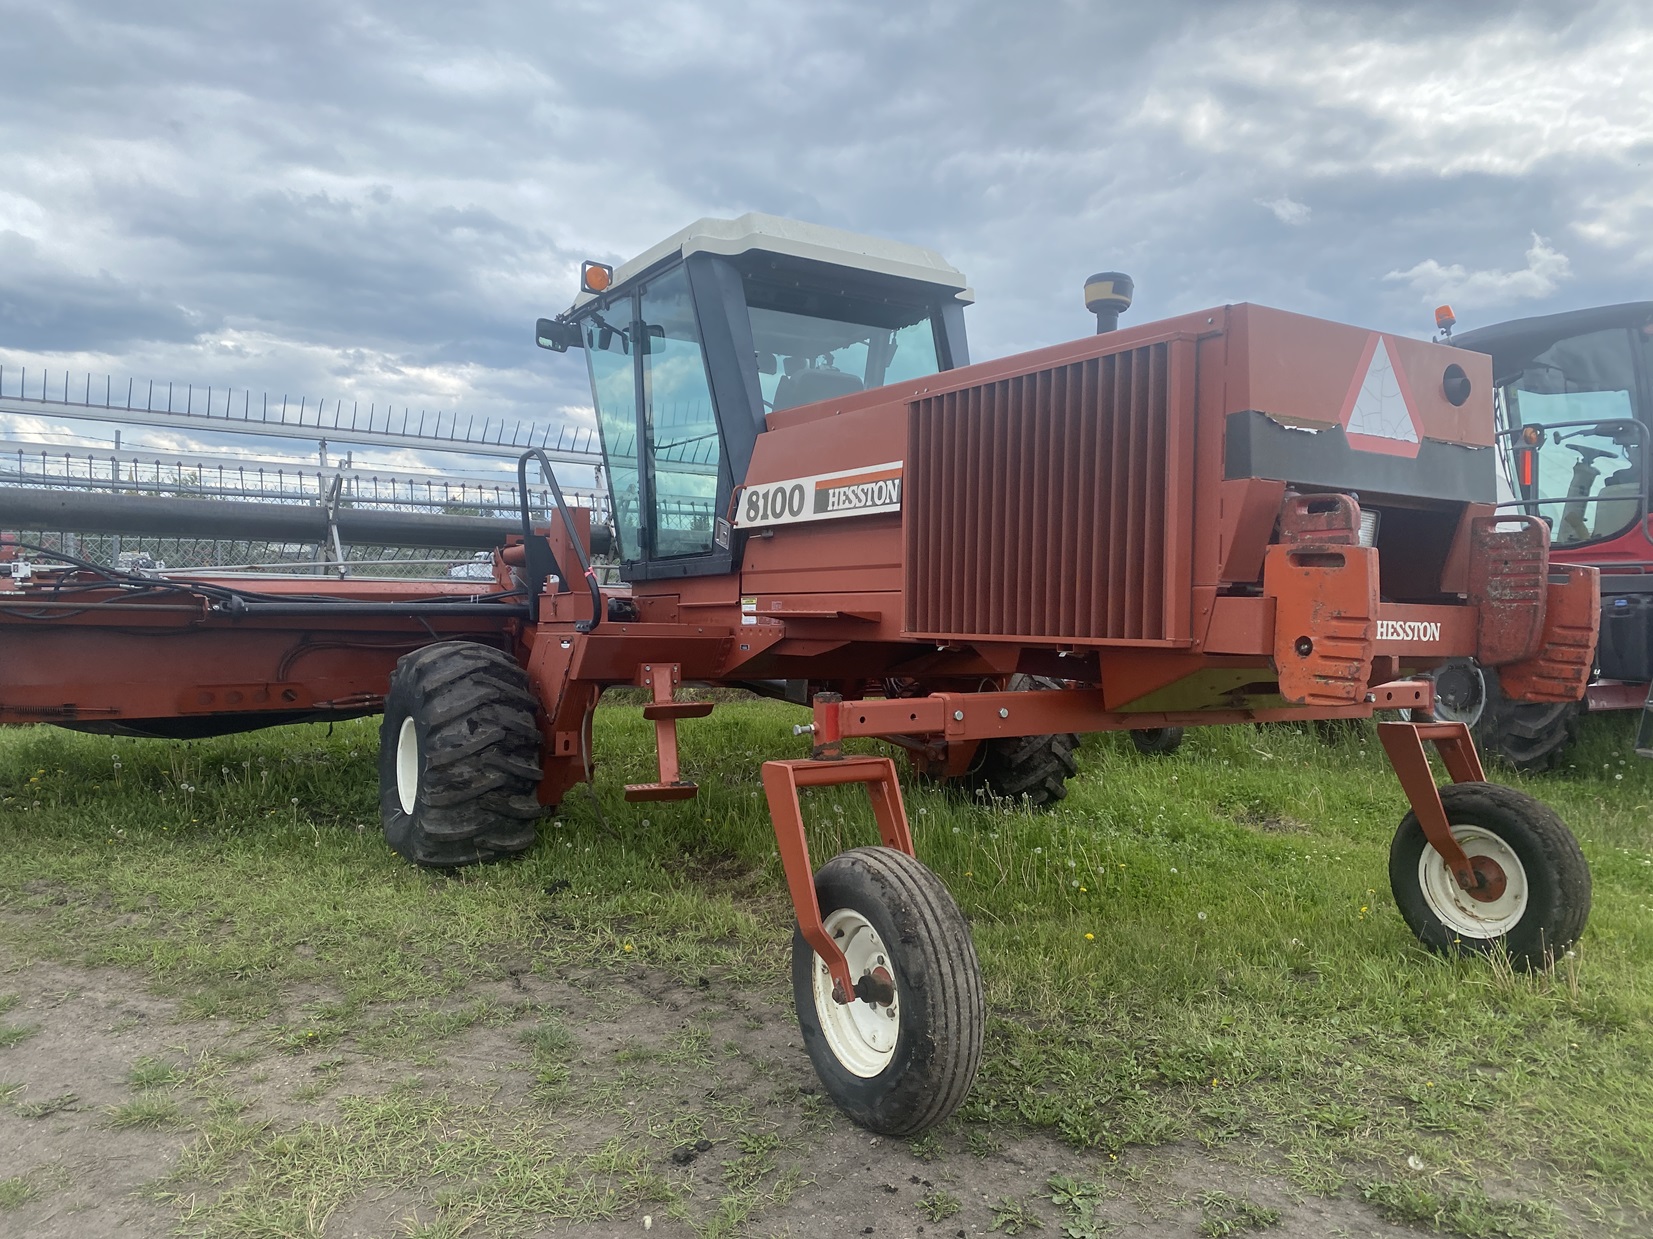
[[1034, 768], [1157, 741], [900, 1058], [1535, 897], [1529, 735], [458, 756]]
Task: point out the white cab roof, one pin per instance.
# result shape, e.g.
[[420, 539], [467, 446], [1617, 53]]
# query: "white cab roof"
[[790, 238]]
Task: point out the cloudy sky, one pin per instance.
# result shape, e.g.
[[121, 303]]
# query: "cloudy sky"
[[373, 201]]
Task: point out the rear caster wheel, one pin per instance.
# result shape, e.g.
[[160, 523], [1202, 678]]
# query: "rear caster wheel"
[[1536, 894], [1157, 741], [901, 1057]]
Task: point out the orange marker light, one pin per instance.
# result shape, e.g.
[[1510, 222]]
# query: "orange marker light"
[[1444, 317], [1532, 435], [595, 277]]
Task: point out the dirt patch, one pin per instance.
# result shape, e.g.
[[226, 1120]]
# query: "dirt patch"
[[64, 1081], [699, 1090]]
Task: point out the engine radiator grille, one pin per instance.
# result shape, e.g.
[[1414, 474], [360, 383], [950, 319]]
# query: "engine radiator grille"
[[1055, 504]]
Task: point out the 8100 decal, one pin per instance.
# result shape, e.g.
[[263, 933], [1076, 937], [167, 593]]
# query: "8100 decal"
[[822, 496]]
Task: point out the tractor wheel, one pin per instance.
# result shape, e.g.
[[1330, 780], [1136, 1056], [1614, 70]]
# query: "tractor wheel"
[[899, 1066], [1157, 741], [1034, 768], [459, 756], [1538, 895], [1528, 735]]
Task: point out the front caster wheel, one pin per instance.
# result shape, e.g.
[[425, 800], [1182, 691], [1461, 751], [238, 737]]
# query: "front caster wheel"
[[901, 1057], [1536, 894]]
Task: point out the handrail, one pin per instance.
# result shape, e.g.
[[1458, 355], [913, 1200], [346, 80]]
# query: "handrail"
[[536, 580]]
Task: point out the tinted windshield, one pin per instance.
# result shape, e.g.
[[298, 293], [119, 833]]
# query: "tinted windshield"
[[815, 346], [1589, 477], [1592, 375]]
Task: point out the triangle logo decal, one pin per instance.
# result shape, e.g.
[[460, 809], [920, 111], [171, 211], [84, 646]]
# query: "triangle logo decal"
[[1377, 414]]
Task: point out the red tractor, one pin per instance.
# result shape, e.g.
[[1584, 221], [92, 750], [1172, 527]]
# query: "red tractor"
[[1231, 516], [1573, 394]]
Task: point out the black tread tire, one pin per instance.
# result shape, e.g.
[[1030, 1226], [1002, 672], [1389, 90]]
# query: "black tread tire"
[[479, 756], [1558, 876], [1156, 741], [1034, 769], [1527, 735], [943, 1011]]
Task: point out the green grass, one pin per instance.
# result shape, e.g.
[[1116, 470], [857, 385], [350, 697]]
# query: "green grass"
[[1223, 1214], [148, 1072], [477, 1164], [1200, 949], [15, 1193], [147, 1112]]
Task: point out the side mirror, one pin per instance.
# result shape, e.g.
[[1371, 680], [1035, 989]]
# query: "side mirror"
[[557, 335]]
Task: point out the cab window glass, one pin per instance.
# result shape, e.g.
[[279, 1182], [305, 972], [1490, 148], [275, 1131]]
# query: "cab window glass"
[[1590, 478], [682, 448], [1591, 375], [1590, 475], [817, 346], [614, 387]]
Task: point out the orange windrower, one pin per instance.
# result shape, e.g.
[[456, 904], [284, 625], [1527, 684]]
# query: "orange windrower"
[[1163, 526]]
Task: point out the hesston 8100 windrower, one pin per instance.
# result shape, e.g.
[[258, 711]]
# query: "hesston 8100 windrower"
[[1231, 516]]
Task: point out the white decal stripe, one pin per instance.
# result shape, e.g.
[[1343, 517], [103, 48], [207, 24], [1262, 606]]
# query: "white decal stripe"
[[865, 491]]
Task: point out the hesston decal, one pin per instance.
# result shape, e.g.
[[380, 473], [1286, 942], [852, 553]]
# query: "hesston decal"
[[1409, 630], [822, 496]]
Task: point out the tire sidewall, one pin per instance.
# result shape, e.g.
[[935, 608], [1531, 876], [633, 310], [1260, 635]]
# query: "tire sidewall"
[[402, 702], [900, 1089]]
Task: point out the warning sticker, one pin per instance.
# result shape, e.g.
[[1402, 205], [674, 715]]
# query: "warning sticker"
[[1377, 413], [822, 496]]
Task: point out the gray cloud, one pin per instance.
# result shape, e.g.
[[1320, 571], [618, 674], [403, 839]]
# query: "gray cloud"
[[374, 201]]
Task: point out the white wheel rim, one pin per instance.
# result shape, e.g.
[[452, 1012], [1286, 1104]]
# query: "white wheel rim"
[[407, 766], [861, 1035], [1457, 909]]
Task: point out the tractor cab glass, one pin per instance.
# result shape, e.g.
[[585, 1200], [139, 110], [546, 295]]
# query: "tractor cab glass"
[[688, 358], [655, 416], [812, 346], [1576, 450]]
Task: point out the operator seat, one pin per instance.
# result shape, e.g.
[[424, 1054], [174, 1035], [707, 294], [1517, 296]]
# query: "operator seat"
[[1618, 504]]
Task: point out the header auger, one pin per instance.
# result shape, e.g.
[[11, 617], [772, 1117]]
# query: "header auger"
[[1231, 516]]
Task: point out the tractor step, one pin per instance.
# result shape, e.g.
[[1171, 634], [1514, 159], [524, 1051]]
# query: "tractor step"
[[662, 680], [661, 791], [678, 709]]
